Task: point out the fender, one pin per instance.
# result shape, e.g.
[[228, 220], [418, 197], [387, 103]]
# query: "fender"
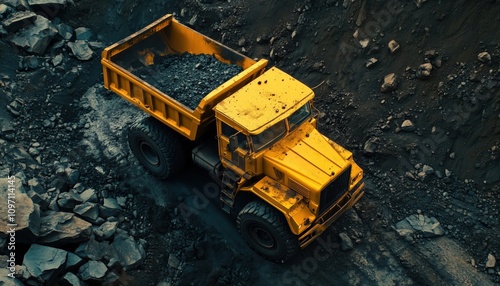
[[287, 201]]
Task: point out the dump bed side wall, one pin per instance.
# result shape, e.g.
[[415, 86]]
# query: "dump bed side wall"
[[158, 39]]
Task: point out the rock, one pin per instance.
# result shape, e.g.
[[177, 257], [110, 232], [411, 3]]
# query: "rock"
[[7, 130], [390, 83], [88, 211], [427, 169], [81, 50], [241, 42], [83, 34], [484, 57], [8, 281], [127, 251], [65, 31], [36, 186], [73, 261], [20, 5], [30, 63], [69, 200], [491, 261], [173, 261], [419, 3], [393, 46], [49, 8], [45, 263], [364, 43], [427, 226], [89, 195], [370, 62], [408, 126], [424, 71], [345, 242], [447, 172], [93, 271], [106, 230], [43, 200], [57, 60], [371, 145], [19, 20], [95, 250], [122, 201], [110, 208], [27, 214], [4, 10], [61, 228], [36, 38], [70, 279], [73, 175]]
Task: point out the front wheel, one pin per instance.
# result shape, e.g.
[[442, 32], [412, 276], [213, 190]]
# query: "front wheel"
[[159, 149], [266, 231]]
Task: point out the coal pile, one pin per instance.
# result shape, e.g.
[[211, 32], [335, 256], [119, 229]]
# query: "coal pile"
[[187, 77]]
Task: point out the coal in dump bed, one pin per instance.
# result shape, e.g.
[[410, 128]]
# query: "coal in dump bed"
[[187, 77]]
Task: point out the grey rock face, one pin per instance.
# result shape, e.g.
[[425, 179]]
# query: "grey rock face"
[[427, 226], [19, 20], [44, 263], [128, 252], [37, 37], [60, 228], [27, 216], [93, 271], [81, 50]]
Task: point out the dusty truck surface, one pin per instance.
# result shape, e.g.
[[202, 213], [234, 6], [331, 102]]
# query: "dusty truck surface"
[[254, 133]]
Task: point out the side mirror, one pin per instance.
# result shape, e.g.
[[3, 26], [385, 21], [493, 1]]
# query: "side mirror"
[[233, 143]]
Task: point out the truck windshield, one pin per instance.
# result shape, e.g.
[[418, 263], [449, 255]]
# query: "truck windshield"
[[269, 136], [299, 116]]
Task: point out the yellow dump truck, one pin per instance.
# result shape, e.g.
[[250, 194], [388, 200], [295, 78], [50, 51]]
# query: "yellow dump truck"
[[255, 134]]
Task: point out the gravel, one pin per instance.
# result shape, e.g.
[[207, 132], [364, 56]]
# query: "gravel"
[[187, 77]]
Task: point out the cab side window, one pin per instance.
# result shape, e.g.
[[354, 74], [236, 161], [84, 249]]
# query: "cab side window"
[[228, 131]]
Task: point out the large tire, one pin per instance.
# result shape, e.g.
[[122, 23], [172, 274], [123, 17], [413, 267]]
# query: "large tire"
[[266, 231], [159, 149]]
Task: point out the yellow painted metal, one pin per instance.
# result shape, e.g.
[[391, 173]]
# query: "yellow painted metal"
[[272, 97], [162, 37], [291, 204], [322, 222]]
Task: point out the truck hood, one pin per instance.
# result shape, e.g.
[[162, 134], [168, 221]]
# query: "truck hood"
[[309, 160]]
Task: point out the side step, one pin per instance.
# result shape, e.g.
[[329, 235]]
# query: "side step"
[[230, 185]]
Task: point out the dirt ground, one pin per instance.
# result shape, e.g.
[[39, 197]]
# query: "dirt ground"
[[455, 114]]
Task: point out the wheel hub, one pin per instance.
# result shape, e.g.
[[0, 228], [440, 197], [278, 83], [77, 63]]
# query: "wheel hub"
[[262, 236], [149, 153]]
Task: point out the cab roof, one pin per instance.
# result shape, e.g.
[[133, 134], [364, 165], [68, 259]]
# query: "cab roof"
[[266, 100]]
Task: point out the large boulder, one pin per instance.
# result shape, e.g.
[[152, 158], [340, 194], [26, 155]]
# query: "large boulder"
[[60, 228], [45, 263], [129, 252], [93, 271], [81, 50], [27, 215], [36, 39], [88, 211], [94, 250], [19, 20]]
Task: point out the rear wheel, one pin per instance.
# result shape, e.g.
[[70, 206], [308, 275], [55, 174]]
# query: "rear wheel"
[[267, 232], [159, 149]]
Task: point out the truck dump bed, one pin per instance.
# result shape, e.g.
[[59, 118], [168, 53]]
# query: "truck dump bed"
[[129, 64]]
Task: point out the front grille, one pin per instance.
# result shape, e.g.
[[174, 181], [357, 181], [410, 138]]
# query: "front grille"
[[335, 190]]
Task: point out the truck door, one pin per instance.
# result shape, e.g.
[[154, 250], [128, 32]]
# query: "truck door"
[[233, 146]]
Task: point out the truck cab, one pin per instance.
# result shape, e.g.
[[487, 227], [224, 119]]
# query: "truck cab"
[[267, 136]]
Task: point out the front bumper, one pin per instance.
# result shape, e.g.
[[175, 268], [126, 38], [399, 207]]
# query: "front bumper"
[[331, 214]]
